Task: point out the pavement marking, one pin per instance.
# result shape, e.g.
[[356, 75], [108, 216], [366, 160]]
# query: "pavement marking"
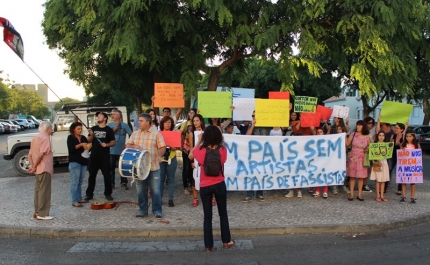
[[120, 247]]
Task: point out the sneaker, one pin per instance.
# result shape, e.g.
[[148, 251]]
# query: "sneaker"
[[345, 189], [247, 199], [413, 201], [109, 198], [290, 194], [325, 195], [124, 186], [299, 193], [158, 216], [402, 200], [142, 215], [171, 203], [44, 217], [335, 191], [316, 194], [88, 198], [195, 202], [261, 198], [366, 188], [186, 192], [213, 202]]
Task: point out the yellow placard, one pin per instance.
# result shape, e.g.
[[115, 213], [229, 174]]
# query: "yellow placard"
[[394, 112], [213, 104], [305, 104], [272, 112]]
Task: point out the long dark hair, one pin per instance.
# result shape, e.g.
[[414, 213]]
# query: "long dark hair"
[[202, 121], [73, 127], [364, 130], [155, 121], [212, 136], [414, 142]]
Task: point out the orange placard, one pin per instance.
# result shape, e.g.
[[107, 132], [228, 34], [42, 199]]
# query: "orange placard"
[[308, 119], [279, 95], [324, 112], [172, 138], [169, 95]]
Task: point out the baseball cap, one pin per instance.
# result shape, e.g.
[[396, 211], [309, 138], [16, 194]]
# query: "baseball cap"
[[104, 114]]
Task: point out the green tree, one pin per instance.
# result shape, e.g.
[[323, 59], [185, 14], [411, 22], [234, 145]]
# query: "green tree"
[[29, 102], [63, 101]]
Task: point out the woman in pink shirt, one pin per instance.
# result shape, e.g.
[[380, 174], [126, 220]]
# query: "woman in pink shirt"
[[212, 141]]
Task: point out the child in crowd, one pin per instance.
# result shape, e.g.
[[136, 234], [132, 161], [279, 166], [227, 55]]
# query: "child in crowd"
[[229, 129], [410, 143], [380, 172], [276, 131], [320, 131]]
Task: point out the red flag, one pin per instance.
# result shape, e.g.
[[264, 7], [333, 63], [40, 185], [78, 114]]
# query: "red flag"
[[12, 38]]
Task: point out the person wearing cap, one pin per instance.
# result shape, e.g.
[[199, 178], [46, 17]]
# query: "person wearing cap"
[[120, 130], [102, 138]]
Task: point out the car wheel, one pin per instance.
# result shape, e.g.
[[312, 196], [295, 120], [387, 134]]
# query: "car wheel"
[[21, 163]]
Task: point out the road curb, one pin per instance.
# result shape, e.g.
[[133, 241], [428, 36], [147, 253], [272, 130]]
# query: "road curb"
[[39, 232]]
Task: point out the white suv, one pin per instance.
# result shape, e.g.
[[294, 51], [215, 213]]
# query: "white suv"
[[19, 145], [23, 123]]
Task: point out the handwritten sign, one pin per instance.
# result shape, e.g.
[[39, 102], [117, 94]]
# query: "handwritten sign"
[[279, 95], [172, 138], [409, 166], [324, 112], [213, 104], [394, 112], [305, 104], [380, 151], [340, 111], [243, 108], [284, 162], [272, 112], [308, 119], [169, 95]]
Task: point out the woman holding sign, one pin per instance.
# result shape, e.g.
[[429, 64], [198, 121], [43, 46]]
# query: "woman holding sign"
[[199, 126], [169, 163], [410, 143], [359, 140]]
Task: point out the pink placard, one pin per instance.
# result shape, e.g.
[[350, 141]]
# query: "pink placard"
[[324, 112], [279, 95], [172, 138], [308, 119]]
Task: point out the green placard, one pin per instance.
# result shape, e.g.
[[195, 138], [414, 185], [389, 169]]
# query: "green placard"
[[305, 104], [380, 151], [393, 112], [212, 104]]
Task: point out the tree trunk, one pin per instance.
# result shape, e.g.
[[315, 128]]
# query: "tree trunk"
[[139, 103], [426, 119], [214, 78]]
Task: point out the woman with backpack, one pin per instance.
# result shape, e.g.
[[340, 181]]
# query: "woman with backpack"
[[211, 154]]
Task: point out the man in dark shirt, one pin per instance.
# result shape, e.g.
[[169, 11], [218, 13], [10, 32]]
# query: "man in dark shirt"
[[102, 138]]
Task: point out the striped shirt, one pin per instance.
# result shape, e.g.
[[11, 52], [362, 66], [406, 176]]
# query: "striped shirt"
[[150, 141]]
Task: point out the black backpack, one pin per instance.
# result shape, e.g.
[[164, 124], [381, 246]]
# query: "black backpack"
[[212, 164]]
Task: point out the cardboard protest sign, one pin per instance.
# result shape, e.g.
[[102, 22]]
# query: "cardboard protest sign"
[[394, 112], [324, 112], [340, 111], [243, 108], [279, 95], [308, 119], [213, 104], [284, 162], [272, 112], [305, 104], [409, 167], [169, 95], [380, 151], [172, 138]]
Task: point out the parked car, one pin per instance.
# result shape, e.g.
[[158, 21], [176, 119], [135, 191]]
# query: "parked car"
[[14, 126], [1, 128], [31, 123], [419, 129], [9, 128], [23, 123], [424, 141]]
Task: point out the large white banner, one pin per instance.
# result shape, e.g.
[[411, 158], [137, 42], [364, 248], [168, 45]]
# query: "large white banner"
[[284, 162]]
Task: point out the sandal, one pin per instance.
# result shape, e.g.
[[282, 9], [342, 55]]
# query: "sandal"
[[229, 244], [378, 199], [384, 199], [195, 202], [77, 204]]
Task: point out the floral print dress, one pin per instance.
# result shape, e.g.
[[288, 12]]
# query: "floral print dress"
[[354, 162]]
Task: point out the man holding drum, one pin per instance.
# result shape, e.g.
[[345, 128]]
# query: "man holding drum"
[[152, 142]]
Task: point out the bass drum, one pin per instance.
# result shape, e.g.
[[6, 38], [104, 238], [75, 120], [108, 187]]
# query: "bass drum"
[[134, 163]]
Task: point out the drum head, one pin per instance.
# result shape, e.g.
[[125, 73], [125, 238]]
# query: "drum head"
[[143, 165]]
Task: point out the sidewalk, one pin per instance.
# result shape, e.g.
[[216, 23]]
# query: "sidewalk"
[[277, 215]]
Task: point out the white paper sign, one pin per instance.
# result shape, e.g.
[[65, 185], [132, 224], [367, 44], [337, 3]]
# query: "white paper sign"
[[243, 108], [340, 111]]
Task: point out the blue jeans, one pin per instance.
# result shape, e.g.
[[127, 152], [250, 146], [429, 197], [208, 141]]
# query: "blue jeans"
[[220, 192], [114, 159], [77, 175], [153, 181], [168, 171], [250, 193]]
